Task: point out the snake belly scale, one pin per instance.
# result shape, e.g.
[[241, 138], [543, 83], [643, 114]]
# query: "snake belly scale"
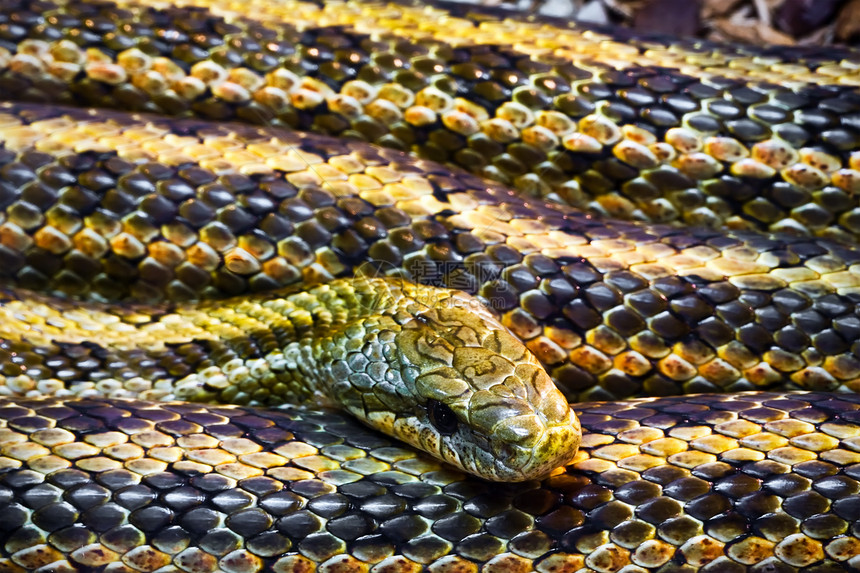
[[110, 205]]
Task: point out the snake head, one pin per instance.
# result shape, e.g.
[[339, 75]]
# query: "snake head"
[[470, 392]]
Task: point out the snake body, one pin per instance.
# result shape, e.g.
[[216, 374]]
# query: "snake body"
[[106, 205], [425, 365], [726, 482]]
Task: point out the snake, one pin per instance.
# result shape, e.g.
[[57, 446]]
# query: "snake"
[[456, 225]]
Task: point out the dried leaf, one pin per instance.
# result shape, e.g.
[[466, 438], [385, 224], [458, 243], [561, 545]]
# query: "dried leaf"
[[626, 8], [763, 22], [772, 5], [677, 17], [798, 17], [593, 12], [848, 24], [564, 9], [820, 37], [717, 8], [750, 31]]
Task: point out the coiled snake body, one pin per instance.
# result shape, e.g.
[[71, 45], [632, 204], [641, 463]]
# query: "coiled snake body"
[[758, 469]]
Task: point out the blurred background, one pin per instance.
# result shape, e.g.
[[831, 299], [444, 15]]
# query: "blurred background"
[[764, 22]]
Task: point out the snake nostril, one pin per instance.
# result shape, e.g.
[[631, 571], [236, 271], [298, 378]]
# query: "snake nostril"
[[442, 417]]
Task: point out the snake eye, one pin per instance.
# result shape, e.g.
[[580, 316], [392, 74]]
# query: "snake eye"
[[442, 417]]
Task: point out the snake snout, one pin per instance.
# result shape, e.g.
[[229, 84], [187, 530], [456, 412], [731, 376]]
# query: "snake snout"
[[530, 423], [526, 447]]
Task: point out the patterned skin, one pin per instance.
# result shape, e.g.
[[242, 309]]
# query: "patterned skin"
[[113, 206], [743, 482], [431, 367]]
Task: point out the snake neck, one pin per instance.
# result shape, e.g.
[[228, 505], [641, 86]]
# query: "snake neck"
[[302, 347], [266, 349]]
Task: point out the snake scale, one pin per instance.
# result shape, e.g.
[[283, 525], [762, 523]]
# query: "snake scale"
[[552, 169]]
